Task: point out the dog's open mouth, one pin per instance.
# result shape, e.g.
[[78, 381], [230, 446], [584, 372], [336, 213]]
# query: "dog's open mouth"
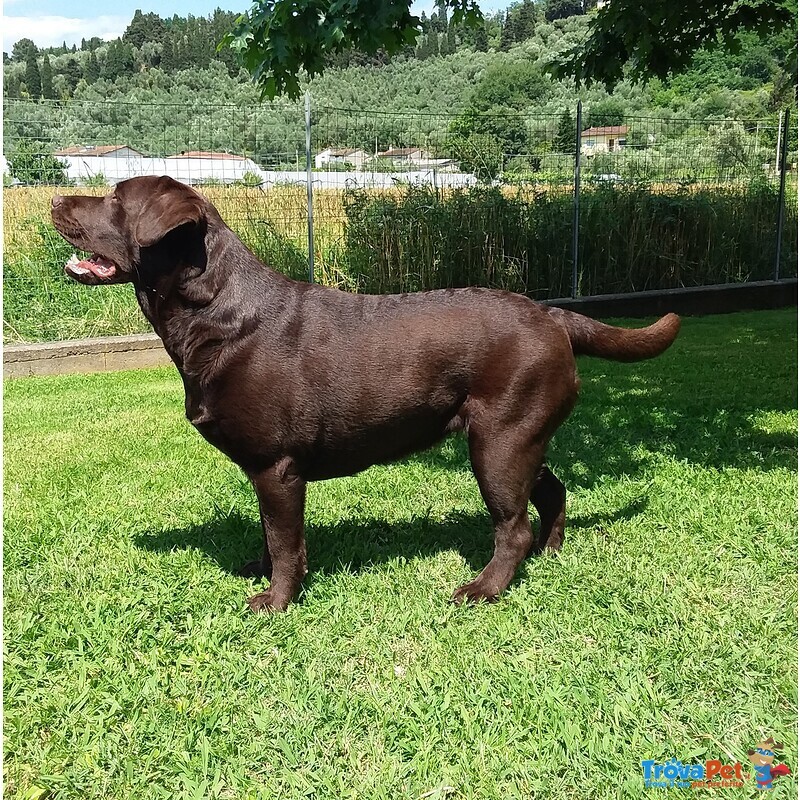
[[95, 267]]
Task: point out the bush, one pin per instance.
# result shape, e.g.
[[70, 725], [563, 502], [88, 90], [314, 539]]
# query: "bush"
[[31, 162], [419, 239], [95, 180], [631, 237]]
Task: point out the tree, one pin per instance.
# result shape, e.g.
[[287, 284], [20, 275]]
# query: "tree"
[[22, 49], [11, 83], [168, 55], [609, 111], [562, 9], [33, 78], [507, 34], [144, 28], [32, 162], [72, 73], [92, 70], [481, 39], [517, 85], [479, 153], [46, 75], [119, 61], [526, 16], [439, 20], [451, 37], [656, 38], [502, 125], [279, 38], [428, 46], [565, 134]]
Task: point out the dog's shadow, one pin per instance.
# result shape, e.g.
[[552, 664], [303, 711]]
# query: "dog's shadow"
[[232, 540]]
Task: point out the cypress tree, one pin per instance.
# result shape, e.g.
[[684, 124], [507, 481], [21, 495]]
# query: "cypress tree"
[[565, 135], [481, 39], [507, 34], [46, 76], [92, 70], [33, 78]]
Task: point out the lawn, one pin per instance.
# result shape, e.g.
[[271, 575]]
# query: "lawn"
[[667, 627]]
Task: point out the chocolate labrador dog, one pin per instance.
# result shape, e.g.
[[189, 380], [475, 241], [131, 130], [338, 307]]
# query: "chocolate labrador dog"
[[297, 382]]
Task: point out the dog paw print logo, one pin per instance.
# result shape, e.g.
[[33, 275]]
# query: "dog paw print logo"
[[762, 759]]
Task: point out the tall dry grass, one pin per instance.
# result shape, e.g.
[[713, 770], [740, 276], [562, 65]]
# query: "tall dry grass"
[[632, 237]]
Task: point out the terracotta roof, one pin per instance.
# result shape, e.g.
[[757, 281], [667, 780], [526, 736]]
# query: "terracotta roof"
[[344, 151], [399, 151], [208, 154], [607, 130], [94, 150]]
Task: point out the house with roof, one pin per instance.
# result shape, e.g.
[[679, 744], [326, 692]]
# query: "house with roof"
[[604, 139], [202, 166], [341, 155], [100, 151], [407, 156], [118, 163], [210, 155]]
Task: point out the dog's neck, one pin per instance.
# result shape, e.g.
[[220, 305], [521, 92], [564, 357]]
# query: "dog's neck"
[[188, 294]]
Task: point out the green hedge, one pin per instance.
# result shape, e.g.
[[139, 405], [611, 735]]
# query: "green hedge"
[[631, 238]]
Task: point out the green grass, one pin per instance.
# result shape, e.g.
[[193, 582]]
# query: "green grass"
[[667, 626]]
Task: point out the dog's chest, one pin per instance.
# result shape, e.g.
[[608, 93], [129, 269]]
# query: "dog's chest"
[[247, 442]]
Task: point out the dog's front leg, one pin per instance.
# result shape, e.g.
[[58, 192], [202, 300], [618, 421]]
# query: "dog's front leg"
[[281, 499]]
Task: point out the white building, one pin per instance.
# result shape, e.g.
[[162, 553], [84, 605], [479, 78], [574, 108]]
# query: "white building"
[[355, 157], [606, 139], [194, 167]]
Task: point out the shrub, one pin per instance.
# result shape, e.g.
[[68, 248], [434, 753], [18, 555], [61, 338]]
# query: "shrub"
[[31, 162]]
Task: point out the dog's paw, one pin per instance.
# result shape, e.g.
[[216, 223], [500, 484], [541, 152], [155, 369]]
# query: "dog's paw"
[[474, 592], [267, 601], [552, 545], [255, 569]]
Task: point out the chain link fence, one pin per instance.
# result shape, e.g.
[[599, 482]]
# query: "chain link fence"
[[550, 205]]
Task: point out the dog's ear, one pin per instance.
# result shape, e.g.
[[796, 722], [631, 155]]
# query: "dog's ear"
[[172, 206]]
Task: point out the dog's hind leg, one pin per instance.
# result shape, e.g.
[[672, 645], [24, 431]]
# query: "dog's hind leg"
[[549, 498], [281, 500], [505, 467]]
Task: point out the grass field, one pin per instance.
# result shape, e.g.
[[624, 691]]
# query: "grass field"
[[666, 628]]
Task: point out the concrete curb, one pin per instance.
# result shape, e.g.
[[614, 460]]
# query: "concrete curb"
[[106, 354], [112, 353], [691, 301]]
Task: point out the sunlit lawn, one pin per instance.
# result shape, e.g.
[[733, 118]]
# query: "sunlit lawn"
[[666, 628]]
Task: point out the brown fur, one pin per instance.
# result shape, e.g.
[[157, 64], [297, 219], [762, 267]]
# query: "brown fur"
[[297, 382]]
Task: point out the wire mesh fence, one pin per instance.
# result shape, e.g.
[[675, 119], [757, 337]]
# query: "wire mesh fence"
[[408, 201]]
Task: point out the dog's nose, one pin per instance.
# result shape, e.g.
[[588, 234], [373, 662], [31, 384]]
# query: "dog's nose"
[[57, 201]]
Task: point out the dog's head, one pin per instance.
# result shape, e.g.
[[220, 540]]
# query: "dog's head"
[[764, 752], [132, 225]]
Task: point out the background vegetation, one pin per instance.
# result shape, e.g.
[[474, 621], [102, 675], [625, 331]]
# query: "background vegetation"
[[632, 237], [497, 68], [690, 200]]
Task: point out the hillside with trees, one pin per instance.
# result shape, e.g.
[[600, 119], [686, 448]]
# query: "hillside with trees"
[[154, 55], [158, 88]]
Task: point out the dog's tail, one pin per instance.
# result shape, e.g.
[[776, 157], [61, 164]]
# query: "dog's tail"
[[591, 338]]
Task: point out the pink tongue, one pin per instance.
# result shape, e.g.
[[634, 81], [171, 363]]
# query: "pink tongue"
[[100, 267]]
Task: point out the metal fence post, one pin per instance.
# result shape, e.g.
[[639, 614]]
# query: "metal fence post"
[[576, 201], [781, 195], [309, 191]]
